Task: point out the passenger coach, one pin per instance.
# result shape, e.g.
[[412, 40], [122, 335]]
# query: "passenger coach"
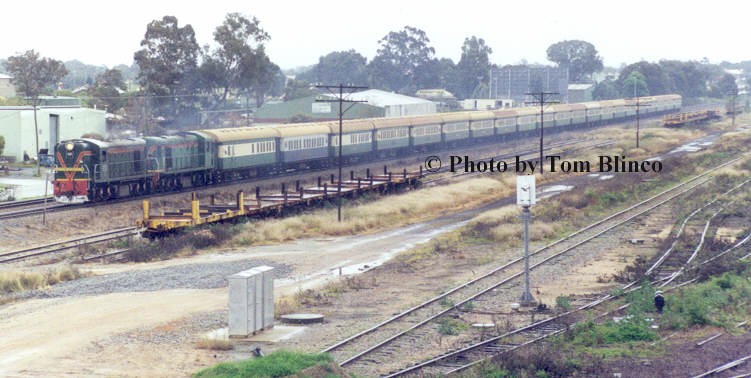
[[92, 170]]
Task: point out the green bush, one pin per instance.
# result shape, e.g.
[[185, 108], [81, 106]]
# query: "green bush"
[[629, 329], [277, 364], [563, 303], [449, 327]]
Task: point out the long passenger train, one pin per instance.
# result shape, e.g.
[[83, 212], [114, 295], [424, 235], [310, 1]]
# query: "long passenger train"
[[93, 170]]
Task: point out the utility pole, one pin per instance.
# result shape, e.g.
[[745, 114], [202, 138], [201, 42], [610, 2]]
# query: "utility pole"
[[341, 100], [732, 108], [35, 102], [542, 99], [638, 106]]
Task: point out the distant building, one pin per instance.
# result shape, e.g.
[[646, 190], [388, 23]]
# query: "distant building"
[[443, 99], [514, 82], [58, 118], [377, 104], [580, 92], [6, 87], [485, 104]]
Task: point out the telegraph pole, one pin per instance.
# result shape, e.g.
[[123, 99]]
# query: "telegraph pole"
[[638, 106], [732, 109], [541, 98], [36, 135], [341, 100]]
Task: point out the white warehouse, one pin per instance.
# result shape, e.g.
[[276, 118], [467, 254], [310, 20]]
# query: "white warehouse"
[[58, 119]]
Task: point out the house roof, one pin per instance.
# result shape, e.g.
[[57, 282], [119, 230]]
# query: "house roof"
[[379, 98]]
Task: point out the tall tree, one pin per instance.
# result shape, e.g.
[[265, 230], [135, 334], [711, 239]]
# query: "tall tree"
[[580, 57], [605, 90], [473, 68], [346, 67], [725, 86], [399, 59], [656, 80], [634, 85], [167, 59], [33, 76], [105, 91], [240, 51], [264, 76], [688, 79]]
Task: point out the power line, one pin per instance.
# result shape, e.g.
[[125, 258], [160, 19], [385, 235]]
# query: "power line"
[[341, 100], [638, 106], [542, 99]]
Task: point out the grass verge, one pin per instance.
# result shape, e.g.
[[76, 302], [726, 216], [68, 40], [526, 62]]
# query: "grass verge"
[[280, 363], [17, 281]]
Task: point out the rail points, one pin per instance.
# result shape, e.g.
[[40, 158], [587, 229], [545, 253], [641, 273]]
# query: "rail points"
[[269, 205]]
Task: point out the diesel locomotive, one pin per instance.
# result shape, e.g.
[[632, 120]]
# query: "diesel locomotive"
[[93, 170]]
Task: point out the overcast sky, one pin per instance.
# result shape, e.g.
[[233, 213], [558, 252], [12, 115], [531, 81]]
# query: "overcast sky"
[[625, 31]]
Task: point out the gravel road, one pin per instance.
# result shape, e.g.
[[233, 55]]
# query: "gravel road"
[[188, 276]]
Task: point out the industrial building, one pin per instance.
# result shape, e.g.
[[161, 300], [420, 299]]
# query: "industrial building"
[[58, 118], [514, 82], [7, 89], [376, 103], [580, 92]]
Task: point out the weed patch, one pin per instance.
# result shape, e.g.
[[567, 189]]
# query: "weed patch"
[[280, 363]]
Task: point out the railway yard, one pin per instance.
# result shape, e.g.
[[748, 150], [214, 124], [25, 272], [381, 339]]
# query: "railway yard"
[[423, 281]]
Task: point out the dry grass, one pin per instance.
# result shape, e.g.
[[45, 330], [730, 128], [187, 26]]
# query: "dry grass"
[[393, 211], [322, 296], [15, 281], [214, 344]]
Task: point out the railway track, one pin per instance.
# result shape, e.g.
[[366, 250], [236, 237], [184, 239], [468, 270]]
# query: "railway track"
[[367, 351], [527, 154], [674, 261], [286, 175], [464, 358], [50, 208], [63, 245], [727, 366], [22, 203]]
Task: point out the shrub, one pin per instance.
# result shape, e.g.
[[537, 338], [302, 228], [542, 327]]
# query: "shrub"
[[277, 364], [563, 303], [450, 327]]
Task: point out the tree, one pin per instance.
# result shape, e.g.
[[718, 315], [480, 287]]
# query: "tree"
[[239, 65], [297, 89], [33, 76], [473, 68], [105, 91], [580, 57], [635, 85], [399, 60], [2, 144], [655, 78], [346, 67], [688, 79], [265, 77], [725, 86], [605, 90], [167, 59], [240, 42]]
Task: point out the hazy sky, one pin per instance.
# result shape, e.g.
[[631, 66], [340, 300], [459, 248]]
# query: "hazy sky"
[[625, 31]]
